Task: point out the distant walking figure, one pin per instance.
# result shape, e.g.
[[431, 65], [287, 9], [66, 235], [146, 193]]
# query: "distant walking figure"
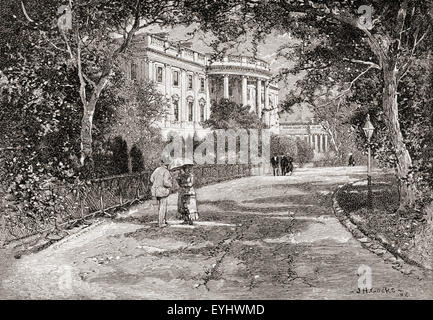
[[161, 183], [284, 165], [275, 163], [351, 160], [289, 165]]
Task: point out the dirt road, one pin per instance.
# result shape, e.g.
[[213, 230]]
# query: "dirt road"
[[258, 238]]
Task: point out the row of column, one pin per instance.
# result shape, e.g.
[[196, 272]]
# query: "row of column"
[[245, 95], [183, 103], [319, 142]]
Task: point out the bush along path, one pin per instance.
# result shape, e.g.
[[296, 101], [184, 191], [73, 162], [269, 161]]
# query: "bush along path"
[[378, 243]]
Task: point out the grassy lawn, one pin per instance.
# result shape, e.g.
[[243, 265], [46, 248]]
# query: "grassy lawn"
[[383, 221]]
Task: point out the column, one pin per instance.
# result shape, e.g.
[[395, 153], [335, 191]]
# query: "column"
[[259, 97], [182, 103], [326, 143], [244, 90], [168, 83], [195, 117], [316, 143], [150, 70], [226, 86], [267, 113], [207, 115], [322, 149]]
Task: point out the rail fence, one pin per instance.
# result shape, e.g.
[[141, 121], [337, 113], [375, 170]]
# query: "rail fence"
[[71, 204]]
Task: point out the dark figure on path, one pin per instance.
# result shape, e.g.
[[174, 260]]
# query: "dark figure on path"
[[284, 165], [274, 163], [289, 165], [351, 160]]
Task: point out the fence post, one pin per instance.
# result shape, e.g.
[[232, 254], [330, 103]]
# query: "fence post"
[[80, 199], [120, 191], [100, 196], [138, 186]]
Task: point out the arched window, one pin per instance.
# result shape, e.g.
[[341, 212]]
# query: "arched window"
[[159, 74], [190, 82], [175, 78]]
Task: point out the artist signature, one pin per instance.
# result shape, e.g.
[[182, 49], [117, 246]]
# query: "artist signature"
[[383, 290]]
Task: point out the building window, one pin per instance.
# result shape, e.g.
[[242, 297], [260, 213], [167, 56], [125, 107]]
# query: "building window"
[[133, 71], [176, 110], [176, 78], [202, 86], [190, 82], [190, 110], [159, 74], [202, 107]]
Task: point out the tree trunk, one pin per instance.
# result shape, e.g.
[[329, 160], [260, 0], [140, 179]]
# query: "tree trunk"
[[86, 132], [128, 148], [87, 120], [404, 161]]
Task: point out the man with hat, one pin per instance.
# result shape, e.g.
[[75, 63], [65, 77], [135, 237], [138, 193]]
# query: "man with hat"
[[161, 183]]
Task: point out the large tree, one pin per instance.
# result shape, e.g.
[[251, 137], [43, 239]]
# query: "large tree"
[[91, 36], [343, 42]]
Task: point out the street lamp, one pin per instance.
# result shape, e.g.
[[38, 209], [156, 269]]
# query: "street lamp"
[[368, 131]]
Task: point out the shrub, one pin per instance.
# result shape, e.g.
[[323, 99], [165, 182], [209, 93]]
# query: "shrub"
[[283, 145], [305, 152]]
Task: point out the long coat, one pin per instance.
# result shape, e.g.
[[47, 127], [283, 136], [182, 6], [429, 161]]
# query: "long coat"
[[187, 205], [161, 182]]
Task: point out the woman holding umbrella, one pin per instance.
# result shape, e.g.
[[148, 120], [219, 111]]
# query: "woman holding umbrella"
[[187, 205]]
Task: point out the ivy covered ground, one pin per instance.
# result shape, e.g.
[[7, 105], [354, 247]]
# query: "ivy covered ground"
[[400, 229]]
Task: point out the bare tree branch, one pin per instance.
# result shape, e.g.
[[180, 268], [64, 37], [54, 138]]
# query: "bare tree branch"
[[369, 63], [346, 91]]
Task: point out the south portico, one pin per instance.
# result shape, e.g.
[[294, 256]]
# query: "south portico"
[[246, 81]]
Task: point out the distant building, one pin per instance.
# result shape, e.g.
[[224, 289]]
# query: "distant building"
[[191, 82], [301, 124]]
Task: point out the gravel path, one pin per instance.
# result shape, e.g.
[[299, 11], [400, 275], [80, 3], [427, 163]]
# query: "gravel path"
[[258, 238]]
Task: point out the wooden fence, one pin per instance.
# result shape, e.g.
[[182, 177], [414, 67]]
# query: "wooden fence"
[[70, 204]]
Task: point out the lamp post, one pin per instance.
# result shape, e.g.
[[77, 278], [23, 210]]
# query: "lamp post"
[[368, 131]]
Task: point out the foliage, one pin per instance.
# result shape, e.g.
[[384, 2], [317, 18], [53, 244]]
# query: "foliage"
[[42, 106], [135, 119], [357, 62], [305, 152], [228, 114], [405, 231], [283, 145]]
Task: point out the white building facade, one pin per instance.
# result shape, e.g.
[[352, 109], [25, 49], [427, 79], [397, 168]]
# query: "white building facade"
[[192, 82]]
